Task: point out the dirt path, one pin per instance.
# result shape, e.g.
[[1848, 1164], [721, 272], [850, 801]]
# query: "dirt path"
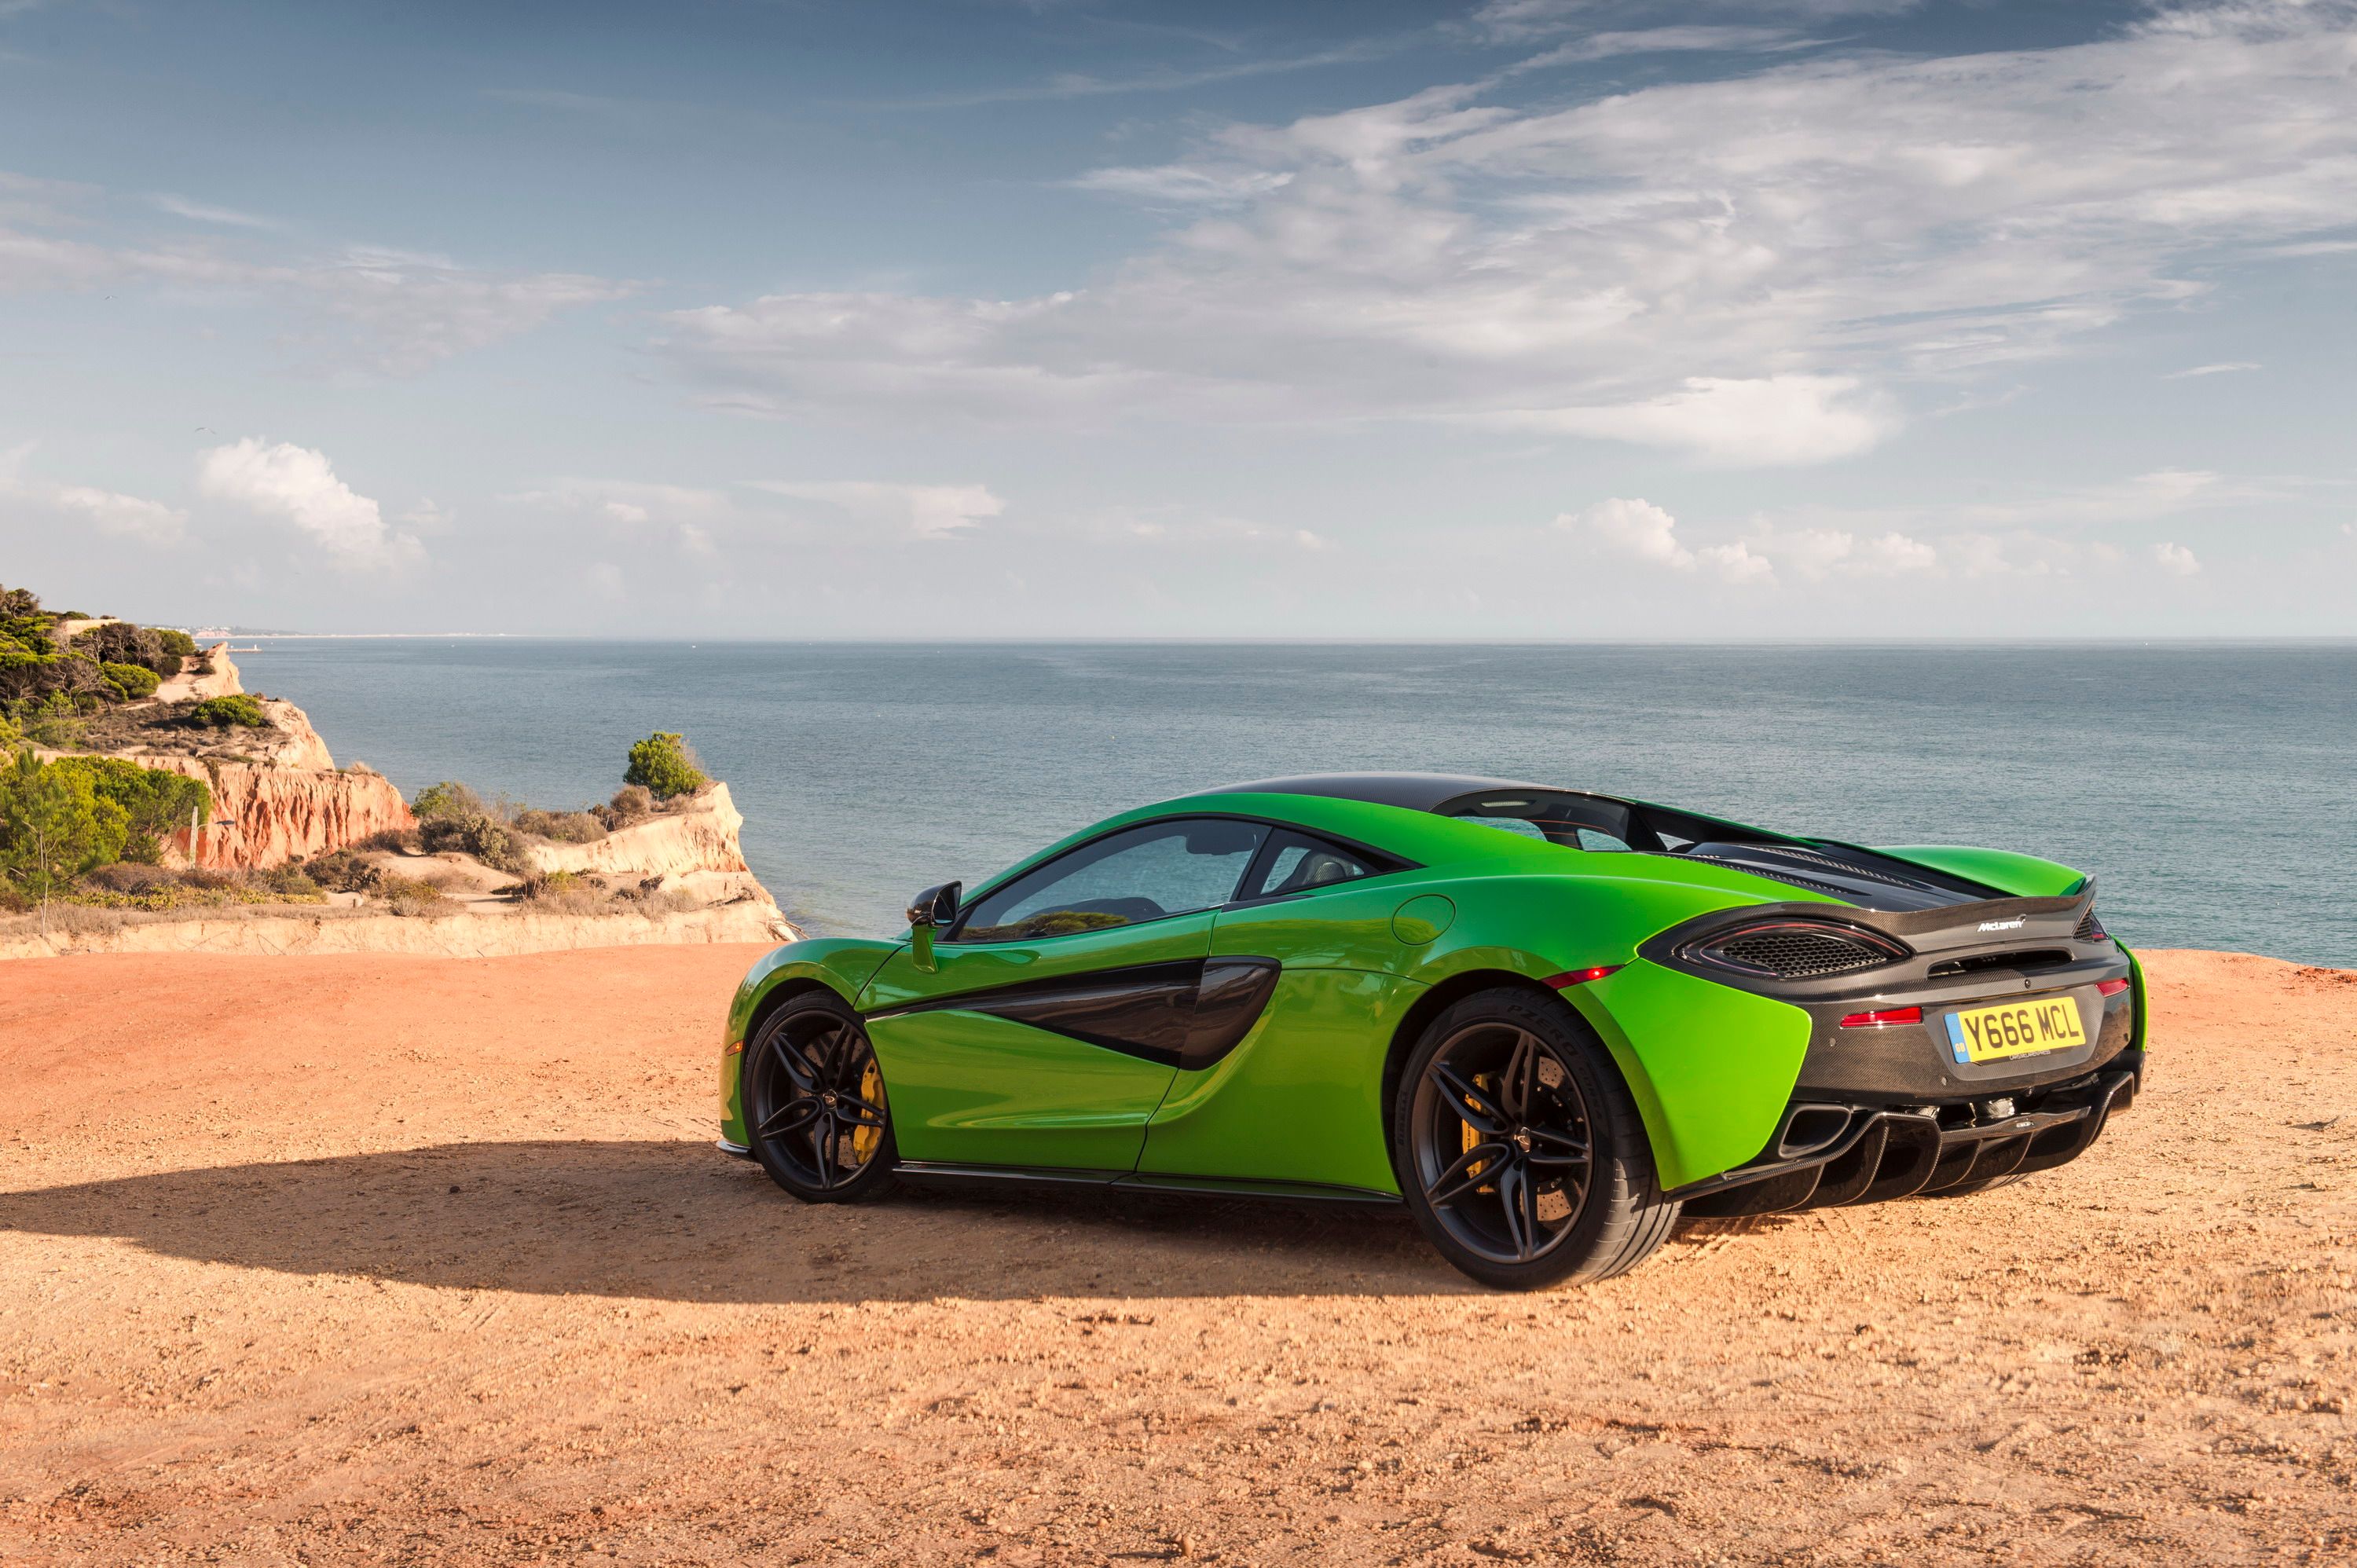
[[346, 1260]]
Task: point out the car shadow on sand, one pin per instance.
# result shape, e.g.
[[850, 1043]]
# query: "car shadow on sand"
[[679, 1221]]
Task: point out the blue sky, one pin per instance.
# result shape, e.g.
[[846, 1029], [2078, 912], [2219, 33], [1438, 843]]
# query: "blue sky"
[[1512, 319]]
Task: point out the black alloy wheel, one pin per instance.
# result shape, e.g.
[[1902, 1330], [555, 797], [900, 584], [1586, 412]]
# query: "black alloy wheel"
[[815, 1113], [1519, 1149]]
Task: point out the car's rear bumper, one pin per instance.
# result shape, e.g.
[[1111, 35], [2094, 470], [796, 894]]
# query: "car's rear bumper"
[[1905, 1064], [1829, 1151]]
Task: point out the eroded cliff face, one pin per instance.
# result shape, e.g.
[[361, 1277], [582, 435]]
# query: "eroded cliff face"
[[278, 815], [701, 837], [278, 790]]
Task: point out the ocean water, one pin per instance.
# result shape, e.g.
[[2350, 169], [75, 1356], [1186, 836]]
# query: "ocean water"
[[2212, 788]]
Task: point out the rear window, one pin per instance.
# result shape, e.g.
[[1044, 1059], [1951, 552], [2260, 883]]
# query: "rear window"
[[1576, 822]]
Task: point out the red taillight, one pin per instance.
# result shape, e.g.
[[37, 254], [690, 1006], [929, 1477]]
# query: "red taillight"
[[1580, 976], [1883, 1019], [2110, 987]]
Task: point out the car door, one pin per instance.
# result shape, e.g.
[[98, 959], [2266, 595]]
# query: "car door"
[[1052, 1022], [1298, 1096]]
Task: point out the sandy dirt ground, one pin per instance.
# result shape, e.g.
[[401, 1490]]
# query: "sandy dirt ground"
[[379, 1259]]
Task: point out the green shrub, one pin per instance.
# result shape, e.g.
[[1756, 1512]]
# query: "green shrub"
[[476, 834], [566, 827], [155, 801], [341, 871], [54, 826], [179, 644], [223, 712], [129, 879], [286, 882], [665, 765], [50, 727], [409, 898], [133, 680], [448, 799], [120, 643]]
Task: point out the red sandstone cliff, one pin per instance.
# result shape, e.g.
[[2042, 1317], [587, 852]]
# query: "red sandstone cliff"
[[278, 789], [278, 815]]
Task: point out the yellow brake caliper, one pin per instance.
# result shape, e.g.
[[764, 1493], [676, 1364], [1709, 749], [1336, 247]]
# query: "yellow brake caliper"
[[865, 1139], [1470, 1139]]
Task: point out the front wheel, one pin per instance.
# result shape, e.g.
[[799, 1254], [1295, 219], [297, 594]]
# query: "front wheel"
[[1519, 1149], [814, 1099]]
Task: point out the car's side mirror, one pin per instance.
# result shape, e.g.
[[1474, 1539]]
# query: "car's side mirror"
[[933, 909]]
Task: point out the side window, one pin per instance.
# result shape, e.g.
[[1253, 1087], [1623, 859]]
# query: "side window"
[[1298, 864], [1594, 838], [1141, 874]]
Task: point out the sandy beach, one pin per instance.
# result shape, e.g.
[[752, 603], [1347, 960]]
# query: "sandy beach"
[[387, 1259]]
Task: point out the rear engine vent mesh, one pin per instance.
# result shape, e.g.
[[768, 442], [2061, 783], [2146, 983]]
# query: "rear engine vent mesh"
[[1797, 952], [2090, 929]]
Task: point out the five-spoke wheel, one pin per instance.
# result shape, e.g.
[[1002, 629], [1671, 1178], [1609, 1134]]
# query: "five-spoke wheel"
[[815, 1113], [1519, 1149]]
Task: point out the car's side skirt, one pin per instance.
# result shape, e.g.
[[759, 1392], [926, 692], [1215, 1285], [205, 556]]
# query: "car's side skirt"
[[1133, 1181]]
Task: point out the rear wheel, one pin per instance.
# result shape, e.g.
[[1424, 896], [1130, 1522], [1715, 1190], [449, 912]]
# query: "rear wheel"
[[815, 1115], [1519, 1149]]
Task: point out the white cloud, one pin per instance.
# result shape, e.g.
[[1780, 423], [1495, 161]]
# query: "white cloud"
[[927, 511], [1892, 555], [203, 212], [1657, 40], [1526, 21], [2176, 560], [392, 312], [1814, 554], [1758, 267], [1779, 419], [2218, 369], [689, 512], [2160, 493], [1177, 184], [628, 501], [1639, 530], [1636, 529], [297, 485], [109, 511], [414, 311]]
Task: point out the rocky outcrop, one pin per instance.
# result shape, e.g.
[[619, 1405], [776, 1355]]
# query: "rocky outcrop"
[[291, 743], [210, 674], [698, 837]]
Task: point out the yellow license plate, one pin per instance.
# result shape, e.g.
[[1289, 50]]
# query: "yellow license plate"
[[2016, 1029]]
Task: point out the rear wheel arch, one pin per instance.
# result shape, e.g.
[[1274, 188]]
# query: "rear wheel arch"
[[1437, 999], [1590, 1013], [1575, 1108]]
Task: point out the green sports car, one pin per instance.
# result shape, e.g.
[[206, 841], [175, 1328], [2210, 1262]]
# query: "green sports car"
[[1548, 1021]]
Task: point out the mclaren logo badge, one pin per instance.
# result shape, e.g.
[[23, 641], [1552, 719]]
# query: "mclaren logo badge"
[[2013, 924]]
